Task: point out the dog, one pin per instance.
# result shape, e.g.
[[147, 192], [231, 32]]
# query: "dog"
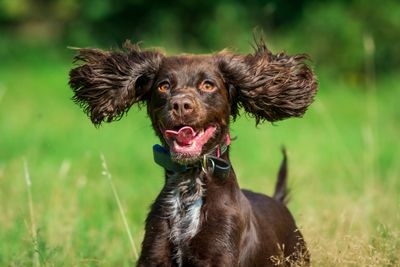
[[201, 217]]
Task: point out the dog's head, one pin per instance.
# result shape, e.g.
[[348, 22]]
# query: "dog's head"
[[191, 98]]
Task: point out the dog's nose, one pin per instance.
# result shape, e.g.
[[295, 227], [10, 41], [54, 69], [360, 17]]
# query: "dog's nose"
[[182, 105]]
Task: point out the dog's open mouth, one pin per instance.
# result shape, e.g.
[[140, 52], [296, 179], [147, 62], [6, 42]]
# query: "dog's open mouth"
[[188, 142]]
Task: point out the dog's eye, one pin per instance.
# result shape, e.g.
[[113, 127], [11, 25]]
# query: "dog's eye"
[[164, 87], [207, 86]]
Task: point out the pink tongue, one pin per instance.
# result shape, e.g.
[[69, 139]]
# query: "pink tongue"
[[184, 136]]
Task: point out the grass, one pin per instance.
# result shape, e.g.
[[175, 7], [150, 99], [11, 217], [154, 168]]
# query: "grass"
[[35, 260], [344, 171], [107, 173]]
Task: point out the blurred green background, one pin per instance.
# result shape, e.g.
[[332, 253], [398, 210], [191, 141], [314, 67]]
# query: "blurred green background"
[[344, 154]]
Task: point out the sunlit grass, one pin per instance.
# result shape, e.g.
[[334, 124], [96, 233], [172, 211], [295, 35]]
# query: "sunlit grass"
[[344, 169]]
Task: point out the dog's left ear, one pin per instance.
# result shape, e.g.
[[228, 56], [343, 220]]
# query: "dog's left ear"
[[268, 87], [108, 83]]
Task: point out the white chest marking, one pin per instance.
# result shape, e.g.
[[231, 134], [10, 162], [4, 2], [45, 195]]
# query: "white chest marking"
[[184, 202]]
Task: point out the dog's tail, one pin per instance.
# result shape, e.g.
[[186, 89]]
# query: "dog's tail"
[[281, 191]]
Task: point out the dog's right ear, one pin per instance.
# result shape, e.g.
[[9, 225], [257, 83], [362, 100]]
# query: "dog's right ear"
[[108, 83]]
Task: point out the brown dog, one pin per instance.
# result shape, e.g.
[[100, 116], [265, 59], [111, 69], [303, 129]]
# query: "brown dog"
[[201, 217]]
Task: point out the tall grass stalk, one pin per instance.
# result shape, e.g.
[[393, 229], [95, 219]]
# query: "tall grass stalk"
[[121, 210], [347, 160], [2, 92], [371, 105], [35, 259]]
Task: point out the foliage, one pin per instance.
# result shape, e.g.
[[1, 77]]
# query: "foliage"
[[341, 36]]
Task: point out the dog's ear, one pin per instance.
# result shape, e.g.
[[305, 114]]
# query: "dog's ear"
[[108, 83], [268, 87]]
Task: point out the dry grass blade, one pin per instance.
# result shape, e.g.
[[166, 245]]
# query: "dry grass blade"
[[121, 210], [299, 258], [35, 259]]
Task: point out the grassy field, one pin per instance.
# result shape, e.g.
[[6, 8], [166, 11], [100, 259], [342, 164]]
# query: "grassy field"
[[344, 173]]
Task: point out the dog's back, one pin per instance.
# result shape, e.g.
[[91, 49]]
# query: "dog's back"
[[273, 221]]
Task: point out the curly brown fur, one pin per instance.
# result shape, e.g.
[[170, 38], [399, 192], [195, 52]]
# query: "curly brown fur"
[[110, 82], [270, 87]]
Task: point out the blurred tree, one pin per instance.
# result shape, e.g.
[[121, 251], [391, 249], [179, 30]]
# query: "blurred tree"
[[332, 32], [335, 32]]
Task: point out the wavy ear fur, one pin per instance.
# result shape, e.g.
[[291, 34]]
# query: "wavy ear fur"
[[269, 87], [108, 83]]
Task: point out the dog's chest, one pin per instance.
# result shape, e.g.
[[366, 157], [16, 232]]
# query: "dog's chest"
[[183, 202]]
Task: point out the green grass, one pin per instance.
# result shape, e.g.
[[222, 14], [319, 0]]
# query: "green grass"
[[344, 158]]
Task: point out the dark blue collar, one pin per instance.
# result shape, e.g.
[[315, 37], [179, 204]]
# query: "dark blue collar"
[[211, 163]]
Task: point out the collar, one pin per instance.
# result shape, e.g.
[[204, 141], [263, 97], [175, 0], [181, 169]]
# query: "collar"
[[210, 163]]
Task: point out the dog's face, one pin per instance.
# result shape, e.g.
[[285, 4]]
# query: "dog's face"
[[189, 106], [191, 98]]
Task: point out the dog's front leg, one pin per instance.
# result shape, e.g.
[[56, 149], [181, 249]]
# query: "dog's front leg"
[[217, 244], [156, 248]]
